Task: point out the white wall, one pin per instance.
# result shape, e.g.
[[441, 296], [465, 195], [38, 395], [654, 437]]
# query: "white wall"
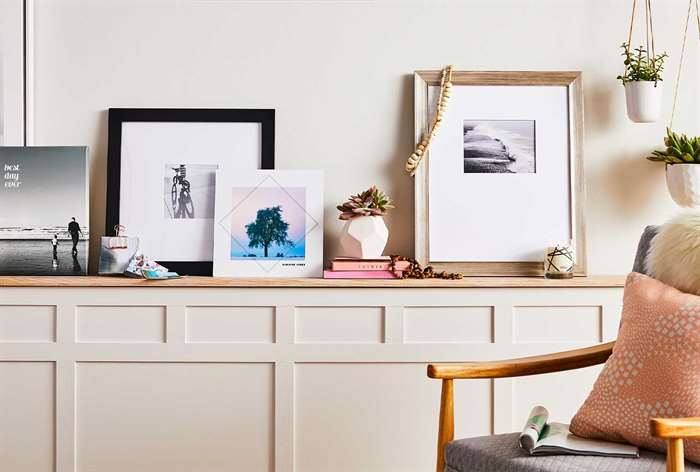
[[339, 75], [11, 74]]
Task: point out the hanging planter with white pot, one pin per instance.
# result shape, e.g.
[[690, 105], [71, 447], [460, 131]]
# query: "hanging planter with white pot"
[[644, 100], [682, 158], [642, 75], [682, 153], [364, 235]]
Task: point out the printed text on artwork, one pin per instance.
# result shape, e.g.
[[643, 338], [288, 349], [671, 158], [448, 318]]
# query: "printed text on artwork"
[[11, 176]]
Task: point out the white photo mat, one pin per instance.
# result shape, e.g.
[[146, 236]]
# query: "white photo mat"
[[146, 151], [297, 197], [500, 216]]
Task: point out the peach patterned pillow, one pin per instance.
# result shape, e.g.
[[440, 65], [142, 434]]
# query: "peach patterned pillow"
[[654, 370]]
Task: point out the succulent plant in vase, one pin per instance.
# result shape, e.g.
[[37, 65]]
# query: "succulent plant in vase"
[[680, 149], [365, 234], [371, 202], [682, 175]]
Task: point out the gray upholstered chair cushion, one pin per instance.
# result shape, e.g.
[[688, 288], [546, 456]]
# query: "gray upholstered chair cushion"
[[643, 249], [500, 453]]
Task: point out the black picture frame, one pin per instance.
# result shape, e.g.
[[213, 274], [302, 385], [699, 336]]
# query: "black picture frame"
[[118, 116]]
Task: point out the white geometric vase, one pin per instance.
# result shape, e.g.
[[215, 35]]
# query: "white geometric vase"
[[683, 182], [643, 101], [364, 237]]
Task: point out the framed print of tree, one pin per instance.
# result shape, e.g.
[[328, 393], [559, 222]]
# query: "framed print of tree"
[[269, 224]]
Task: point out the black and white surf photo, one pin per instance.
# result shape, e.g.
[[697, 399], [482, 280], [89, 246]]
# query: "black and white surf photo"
[[499, 146]]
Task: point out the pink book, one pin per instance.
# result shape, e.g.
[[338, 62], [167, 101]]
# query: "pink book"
[[359, 274], [360, 265]]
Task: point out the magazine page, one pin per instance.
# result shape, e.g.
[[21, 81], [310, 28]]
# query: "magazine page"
[[556, 439]]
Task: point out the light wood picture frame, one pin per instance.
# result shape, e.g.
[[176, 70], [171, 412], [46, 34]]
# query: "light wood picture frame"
[[571, 81]]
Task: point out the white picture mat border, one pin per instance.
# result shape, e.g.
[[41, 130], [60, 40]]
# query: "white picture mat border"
[[312, 180], [146, 146], [422, 119], [529, 204]]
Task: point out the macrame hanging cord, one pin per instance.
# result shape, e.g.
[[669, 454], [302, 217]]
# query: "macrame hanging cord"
[[680, 62], [648, 28]]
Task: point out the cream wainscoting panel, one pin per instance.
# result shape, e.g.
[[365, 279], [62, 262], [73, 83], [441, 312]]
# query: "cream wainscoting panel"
[[27, 416], [165, 378], [334, 324], [29, 324], [232, 324], [367, 407], [448, 324], [557, 323], [169, 416], [125, 324]]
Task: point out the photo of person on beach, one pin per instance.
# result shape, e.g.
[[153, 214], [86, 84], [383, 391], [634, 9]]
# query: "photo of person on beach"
[[44, 212], [75, 232], [499, 146]]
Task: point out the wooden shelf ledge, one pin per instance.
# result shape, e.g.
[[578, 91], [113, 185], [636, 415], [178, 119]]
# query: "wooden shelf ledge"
[[213, 282]]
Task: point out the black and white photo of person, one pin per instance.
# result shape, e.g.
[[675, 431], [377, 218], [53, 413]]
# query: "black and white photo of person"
[[75, 233], [499, 146], [54, 243], [189, 191], [44, 195]]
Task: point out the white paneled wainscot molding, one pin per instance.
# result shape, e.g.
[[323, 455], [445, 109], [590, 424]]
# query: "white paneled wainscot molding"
[[289, 376]]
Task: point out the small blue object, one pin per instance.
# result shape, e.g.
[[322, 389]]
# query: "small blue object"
[[151, 274]]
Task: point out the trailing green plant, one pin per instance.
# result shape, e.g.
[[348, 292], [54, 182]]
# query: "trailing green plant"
[[680, 149], [640, 66], [371, 202]]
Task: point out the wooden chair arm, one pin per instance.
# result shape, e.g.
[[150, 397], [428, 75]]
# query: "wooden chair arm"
[[556, 362], [674, 430]]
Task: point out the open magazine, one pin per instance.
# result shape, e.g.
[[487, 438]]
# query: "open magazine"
[[542, 438]]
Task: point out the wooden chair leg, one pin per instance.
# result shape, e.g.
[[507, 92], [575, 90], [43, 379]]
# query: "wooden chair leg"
[[446, 427], [674, 456]]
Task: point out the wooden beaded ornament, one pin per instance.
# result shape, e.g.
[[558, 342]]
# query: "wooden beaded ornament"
[[445, 92]]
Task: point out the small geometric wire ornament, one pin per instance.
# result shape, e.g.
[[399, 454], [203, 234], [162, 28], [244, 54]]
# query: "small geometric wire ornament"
[[559, 262]]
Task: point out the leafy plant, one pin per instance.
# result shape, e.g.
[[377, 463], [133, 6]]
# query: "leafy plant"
[[680, 149], [371, 202], [640, 66]]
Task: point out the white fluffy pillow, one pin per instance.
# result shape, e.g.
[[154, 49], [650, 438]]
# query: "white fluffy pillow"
[[674, 253]]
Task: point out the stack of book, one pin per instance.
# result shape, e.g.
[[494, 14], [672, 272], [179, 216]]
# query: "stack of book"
[[354, 268]]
